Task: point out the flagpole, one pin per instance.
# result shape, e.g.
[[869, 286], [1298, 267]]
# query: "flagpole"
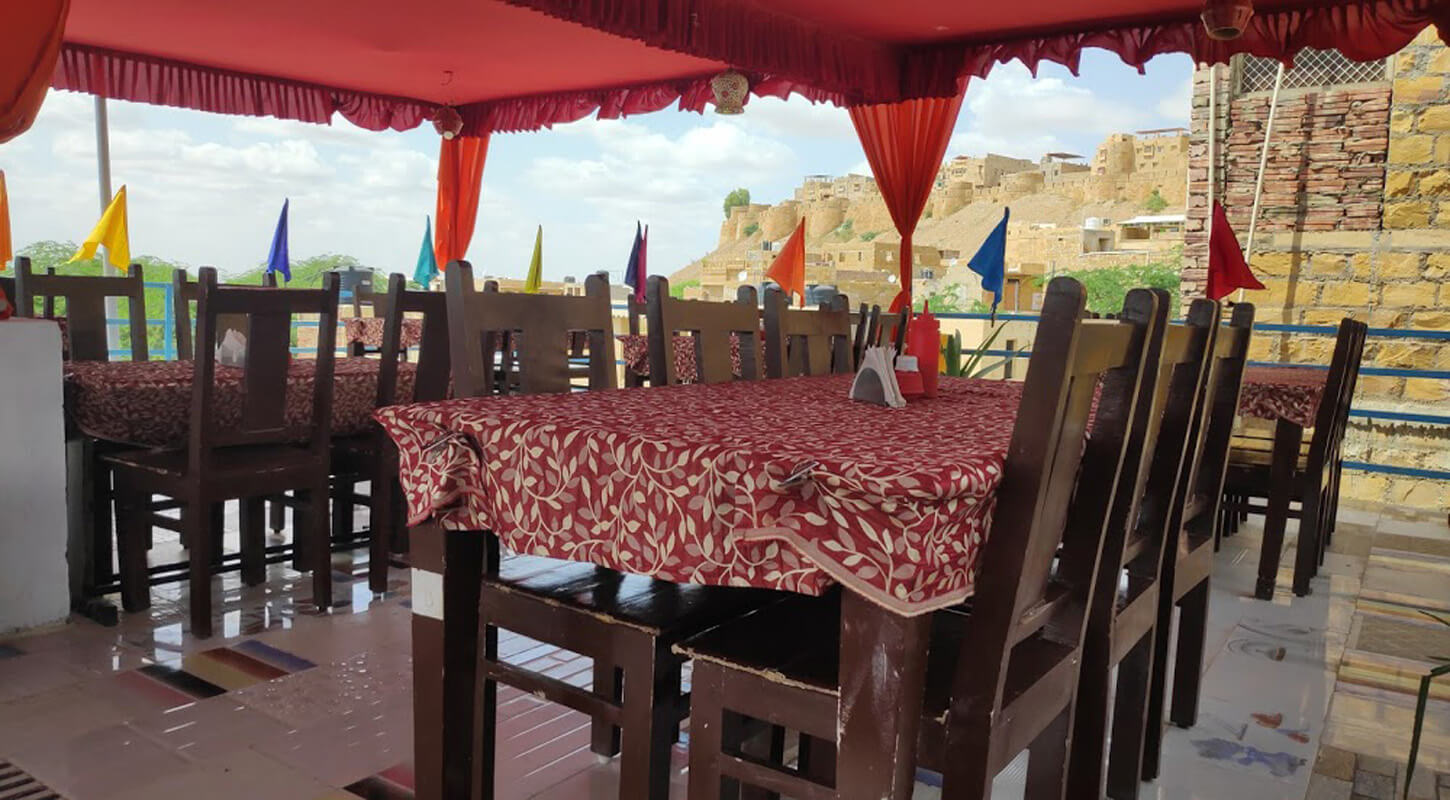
[[1263, 162], [1212, 135], [103, 164]]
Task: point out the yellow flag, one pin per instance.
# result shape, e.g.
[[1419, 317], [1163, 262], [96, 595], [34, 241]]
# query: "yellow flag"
[[536, 266], [7, 251], [111, 232]]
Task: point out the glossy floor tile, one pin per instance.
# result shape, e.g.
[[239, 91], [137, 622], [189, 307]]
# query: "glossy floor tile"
[[286, 702]]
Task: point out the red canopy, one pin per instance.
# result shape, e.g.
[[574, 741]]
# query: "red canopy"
[[525, 64]]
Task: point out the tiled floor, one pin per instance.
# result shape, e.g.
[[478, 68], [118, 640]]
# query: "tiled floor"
[[284, 703]]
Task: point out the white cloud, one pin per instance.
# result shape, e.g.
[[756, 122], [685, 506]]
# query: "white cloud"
[[797, 117], [1174, 108], [1012, 114]]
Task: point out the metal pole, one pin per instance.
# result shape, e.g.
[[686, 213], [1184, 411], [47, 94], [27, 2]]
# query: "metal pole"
[[1212, 137], [103, 164], [1263, 162]]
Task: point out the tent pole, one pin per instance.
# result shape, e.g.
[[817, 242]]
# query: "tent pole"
[[1263, 162], [103, 165]]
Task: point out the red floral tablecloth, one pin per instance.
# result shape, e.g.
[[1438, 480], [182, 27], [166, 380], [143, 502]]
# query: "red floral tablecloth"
[[148, 403], [634, 348], [783, 484], [1291, 393], [369, 331]]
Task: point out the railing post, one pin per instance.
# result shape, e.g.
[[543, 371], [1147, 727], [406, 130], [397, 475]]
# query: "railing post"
[[168, 325], [1007, 364]]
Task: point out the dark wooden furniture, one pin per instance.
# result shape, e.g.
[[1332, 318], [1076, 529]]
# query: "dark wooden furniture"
[[1188, 556], [264, 455], [712, 325], [635, 311], [1124, 613], [373, 457], [85, 307], [806, 342], [1002, 674], [1287, 473], [626, 623], [861, 323], [184, 292]]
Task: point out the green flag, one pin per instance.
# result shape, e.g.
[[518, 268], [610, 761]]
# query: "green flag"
[[536, 265], [427, 268]]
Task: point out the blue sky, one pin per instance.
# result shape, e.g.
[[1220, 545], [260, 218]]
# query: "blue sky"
[[205, 189]]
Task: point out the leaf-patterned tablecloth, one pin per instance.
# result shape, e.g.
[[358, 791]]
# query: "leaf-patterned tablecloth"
[[1291, 393], [148, 403], [634, 348], [783, 484], [369, 331]]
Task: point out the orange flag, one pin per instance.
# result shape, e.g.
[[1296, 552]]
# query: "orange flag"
[[7, 251], [789, 268]]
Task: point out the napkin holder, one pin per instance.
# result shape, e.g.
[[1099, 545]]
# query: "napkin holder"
[[232, 352], [876, 380]]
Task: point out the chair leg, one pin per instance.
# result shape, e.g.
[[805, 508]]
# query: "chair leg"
[[381, 515], [648, 724], [101, 522], [706, 720], [608, 682], [131, 524], [312, 528], [1130, 717], [1047, 760], [342, 508], [1158, 682], [250, 515], [967, 775], [1090, 724], [195, 517], [1188, 663], [217, 525], [485, 724]]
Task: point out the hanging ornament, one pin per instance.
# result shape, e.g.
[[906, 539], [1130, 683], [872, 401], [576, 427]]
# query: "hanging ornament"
[[730, 88], [1227, 19], [447, 122]]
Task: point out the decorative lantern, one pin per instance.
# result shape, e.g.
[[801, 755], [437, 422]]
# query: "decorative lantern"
[[447, 122], [730, 88], [1227, 19]]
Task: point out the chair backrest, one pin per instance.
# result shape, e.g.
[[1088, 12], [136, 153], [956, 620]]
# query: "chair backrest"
[[184, 292], [1057, 488], [801, 342], [268, 313], [893, 330], [635, 310], [538, 326], [861, 325], [430, 377], [1220, 408], [85, 307], [1332, 418], [712, 325]]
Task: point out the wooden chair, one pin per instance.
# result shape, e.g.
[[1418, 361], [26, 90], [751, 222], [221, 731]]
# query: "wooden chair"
[[801, 342], [264, 455], [1123, 617], [184, 293], [893, 331], [627, 624], [1002, 674], [861, 323], [635, 312], [712, 325], [1315, 479], [373, 456], [1188, 556], [85, 307]]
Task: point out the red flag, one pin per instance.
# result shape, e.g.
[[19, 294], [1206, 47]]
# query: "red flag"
[[1226, 267], [789, 268]]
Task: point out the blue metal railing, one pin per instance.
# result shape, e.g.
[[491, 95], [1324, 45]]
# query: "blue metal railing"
[[168, 351]]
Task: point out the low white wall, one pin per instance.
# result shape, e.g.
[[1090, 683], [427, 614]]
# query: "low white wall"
[[33, 584]]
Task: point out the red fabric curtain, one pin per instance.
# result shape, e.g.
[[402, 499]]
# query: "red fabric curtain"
[[29, 45], [904, 143], [460, 182]]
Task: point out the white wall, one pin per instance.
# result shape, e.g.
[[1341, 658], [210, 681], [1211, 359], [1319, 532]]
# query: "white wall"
[[33, 583]]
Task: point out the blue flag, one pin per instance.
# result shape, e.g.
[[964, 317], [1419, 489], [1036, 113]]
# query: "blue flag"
[[427, 268], [635, 272], [991, 261], [277, 260]]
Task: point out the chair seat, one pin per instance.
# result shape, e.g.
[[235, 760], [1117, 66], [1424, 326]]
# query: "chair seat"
[[269, 464], [665, 609], [353, 454], [1262, 458]]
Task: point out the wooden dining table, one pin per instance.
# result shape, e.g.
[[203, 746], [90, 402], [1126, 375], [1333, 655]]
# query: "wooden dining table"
[[784, 484], [1290, 398], [147, 404]]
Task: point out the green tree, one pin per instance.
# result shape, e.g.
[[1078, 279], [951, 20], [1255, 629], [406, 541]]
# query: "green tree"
[[307, 272], [752, 229], [1107, 287], [739, 197], [1155, 202]]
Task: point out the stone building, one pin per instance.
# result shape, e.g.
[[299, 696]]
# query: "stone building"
[[986, 171], [1354, 221]]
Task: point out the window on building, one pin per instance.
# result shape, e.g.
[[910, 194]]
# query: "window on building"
[[1312, 69]]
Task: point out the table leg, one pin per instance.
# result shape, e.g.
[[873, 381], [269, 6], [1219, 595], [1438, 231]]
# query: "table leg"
[[447, 570], [1285, 456], [883, 671], [81, 519]]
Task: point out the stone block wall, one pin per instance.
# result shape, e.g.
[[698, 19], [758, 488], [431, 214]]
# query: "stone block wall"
[[1354, 222]]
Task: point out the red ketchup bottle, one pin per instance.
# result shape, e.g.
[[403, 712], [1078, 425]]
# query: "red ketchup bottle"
[[923, 340]]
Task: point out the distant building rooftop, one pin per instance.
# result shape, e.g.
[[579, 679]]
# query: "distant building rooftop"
[[1157, 131], [1155, 219], [1064, 156]]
